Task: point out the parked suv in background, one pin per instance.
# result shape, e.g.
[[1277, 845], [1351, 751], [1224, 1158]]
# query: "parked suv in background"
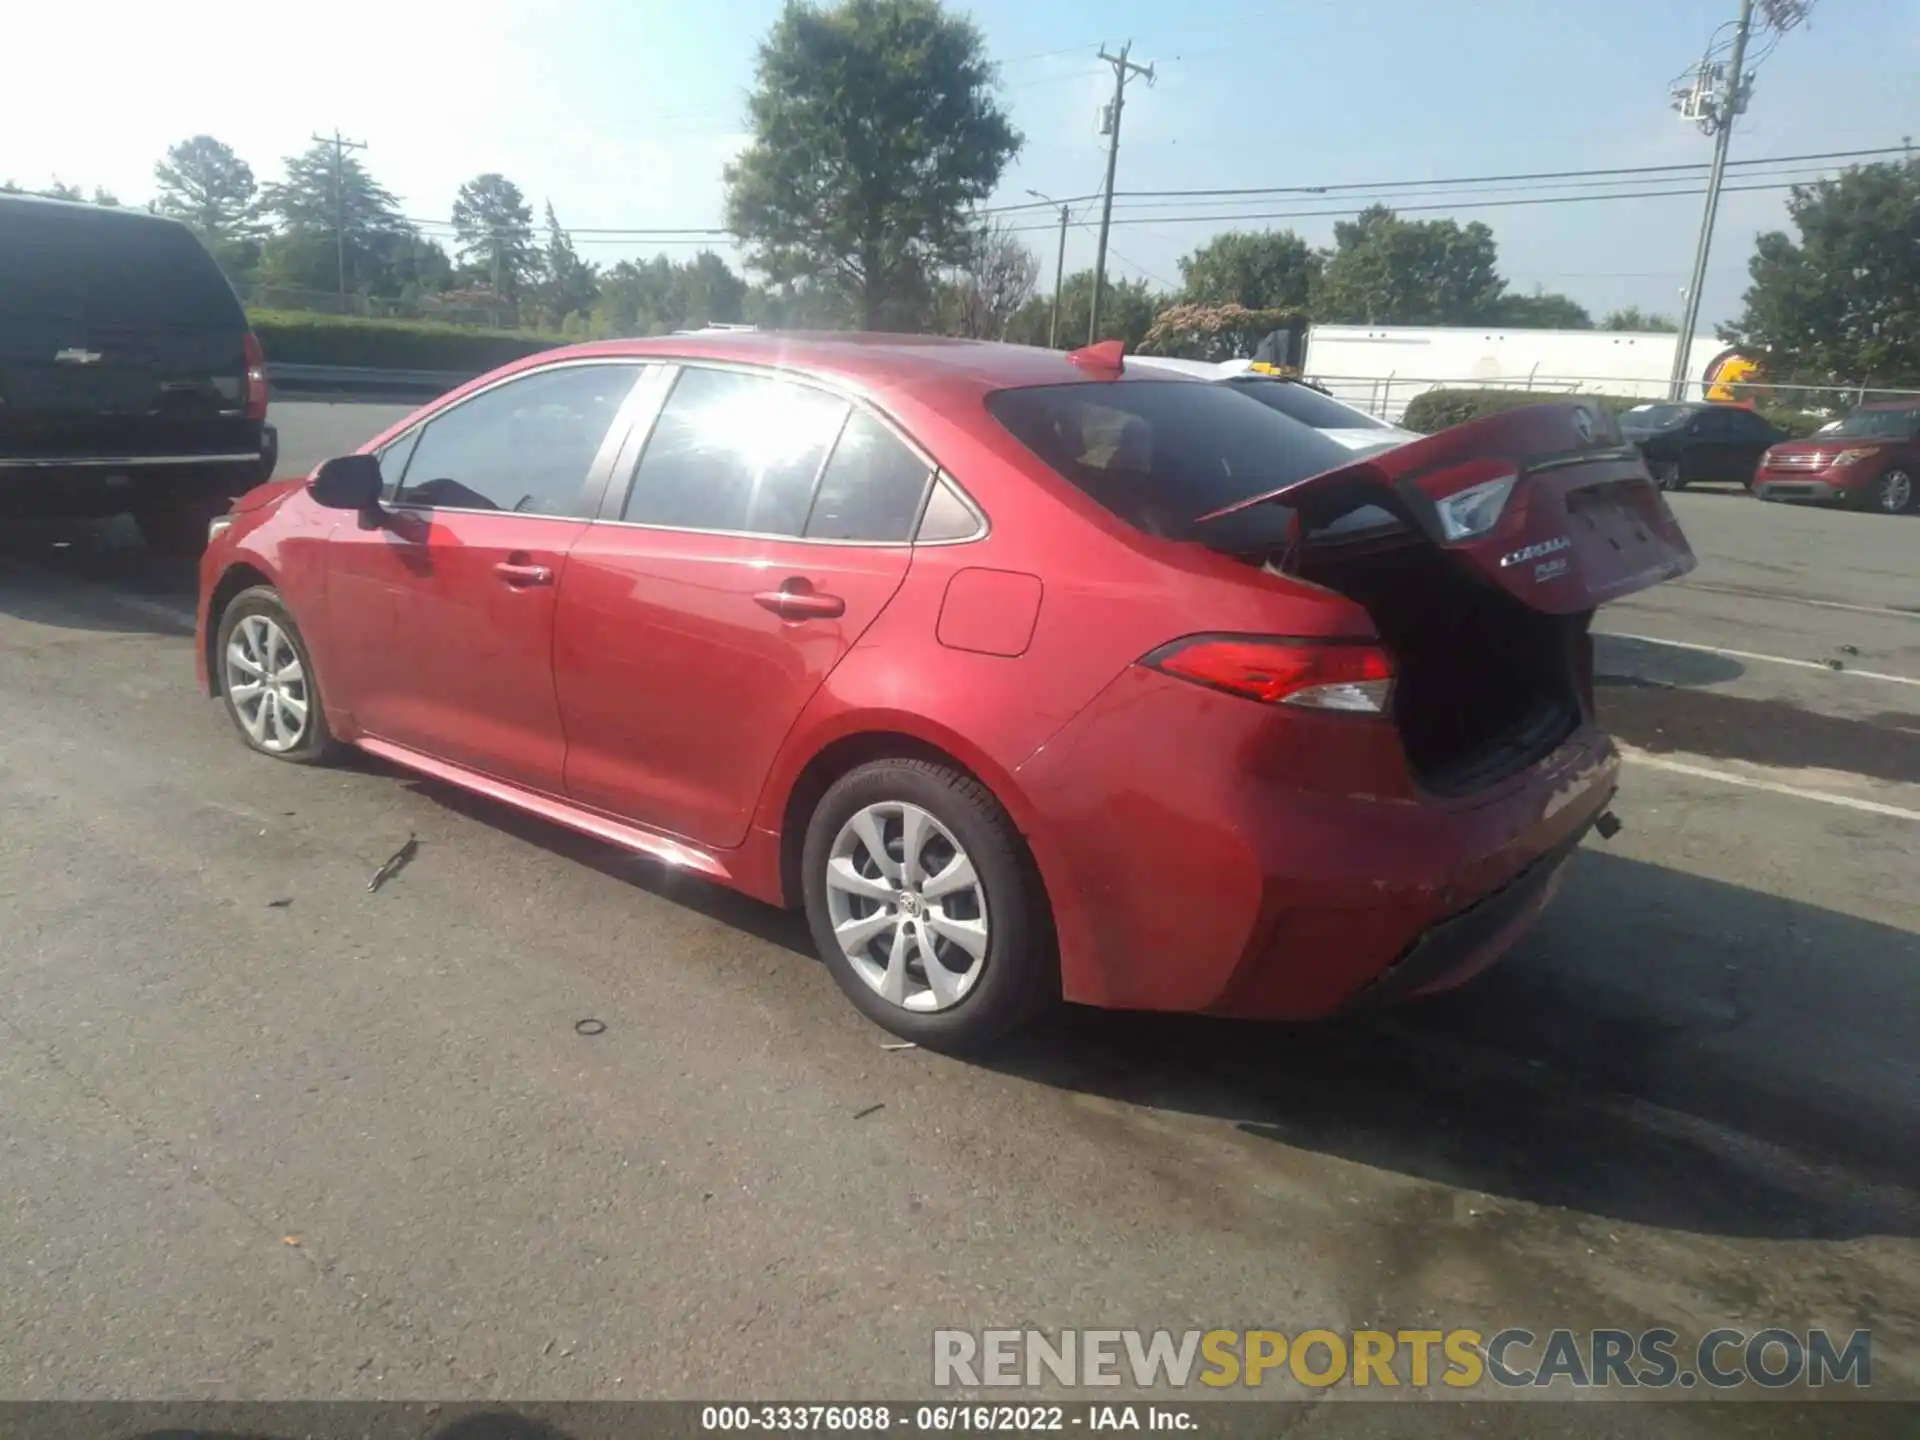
[[1685, 442], [129, 381], [1869, 459]]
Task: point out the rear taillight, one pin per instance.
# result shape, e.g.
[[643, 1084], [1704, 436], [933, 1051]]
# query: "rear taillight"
[[1313, 674], [256, 360]]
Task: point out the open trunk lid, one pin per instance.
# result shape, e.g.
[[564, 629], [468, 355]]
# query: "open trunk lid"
[[1547, 503]]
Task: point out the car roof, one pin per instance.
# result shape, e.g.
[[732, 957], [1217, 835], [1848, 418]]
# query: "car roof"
[[875, 360], [76, 209]]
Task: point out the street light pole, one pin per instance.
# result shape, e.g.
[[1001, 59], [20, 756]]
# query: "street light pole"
[[1733, 99], [340, 147], [1059, 272]]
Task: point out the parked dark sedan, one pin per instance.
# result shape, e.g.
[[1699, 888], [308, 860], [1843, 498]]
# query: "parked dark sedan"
[[1685, 442]]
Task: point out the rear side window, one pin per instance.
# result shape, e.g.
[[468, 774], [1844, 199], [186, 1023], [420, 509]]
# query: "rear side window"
[[872, 486], [1160, 454], [734, 452], [524, 446], [85, 263]]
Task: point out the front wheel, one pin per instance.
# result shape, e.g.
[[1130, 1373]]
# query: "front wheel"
[[1892, 492], [925, 905], [267, 680]]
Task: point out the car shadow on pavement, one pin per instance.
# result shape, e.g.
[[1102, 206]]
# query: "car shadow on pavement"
[[1621, 659], [785, 928], [93, 575], [1652, 1054]]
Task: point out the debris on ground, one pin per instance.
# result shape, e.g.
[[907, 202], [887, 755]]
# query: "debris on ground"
[[1835, 665], [1849, 649], [280, 904], [589, 1027], [900, 1045], [395, 863], [293, 1240], [871, 1109]]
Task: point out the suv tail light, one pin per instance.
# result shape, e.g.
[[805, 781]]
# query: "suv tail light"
[[256, 360], [1313, 674]]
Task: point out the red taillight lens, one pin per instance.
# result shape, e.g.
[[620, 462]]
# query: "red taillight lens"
[[256, 359], [1314, 674]]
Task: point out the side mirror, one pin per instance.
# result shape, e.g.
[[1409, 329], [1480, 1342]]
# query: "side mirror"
[[348, 482]]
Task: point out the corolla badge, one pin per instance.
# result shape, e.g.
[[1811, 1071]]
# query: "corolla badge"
[[1536, 552]]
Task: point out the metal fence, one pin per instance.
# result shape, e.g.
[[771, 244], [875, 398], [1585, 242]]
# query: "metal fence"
[[1387, 397]]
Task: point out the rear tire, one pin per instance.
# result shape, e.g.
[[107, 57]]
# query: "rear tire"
[[267, 680], [176, 525], [1666, 474], [1891, 493], [945, 940]]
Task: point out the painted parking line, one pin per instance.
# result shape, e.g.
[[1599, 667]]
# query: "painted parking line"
[[1768, 659], [1746, 592], [1636, 756]]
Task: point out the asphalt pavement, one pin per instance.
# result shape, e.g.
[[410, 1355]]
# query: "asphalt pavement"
[[270, 1135]]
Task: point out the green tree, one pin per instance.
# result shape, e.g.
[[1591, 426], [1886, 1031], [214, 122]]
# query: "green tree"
[[58, 189], [568, 285], [1257, 269], [653, 297], [1842, 302], [874, 129], [1215, 332], [1388, 271], [1632, 317], [311, 209], [1540, 311], [206, 185], [494, 227], [1127, 311]]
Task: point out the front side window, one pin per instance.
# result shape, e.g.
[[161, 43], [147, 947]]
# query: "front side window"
[[524, 446], [734, 452]]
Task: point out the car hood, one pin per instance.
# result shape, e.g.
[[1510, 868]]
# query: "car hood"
[[261, 496], [1828, 444]]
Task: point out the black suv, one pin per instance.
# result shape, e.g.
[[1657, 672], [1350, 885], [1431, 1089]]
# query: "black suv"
[[129, 381]]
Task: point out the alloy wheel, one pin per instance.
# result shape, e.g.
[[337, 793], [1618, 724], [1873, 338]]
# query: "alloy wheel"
[[1895, 491], [266, 684], [907, 907]]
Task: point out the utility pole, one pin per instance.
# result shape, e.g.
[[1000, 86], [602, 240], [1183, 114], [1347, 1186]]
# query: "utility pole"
[[1123, 70], [1059, 271], [340, 148]]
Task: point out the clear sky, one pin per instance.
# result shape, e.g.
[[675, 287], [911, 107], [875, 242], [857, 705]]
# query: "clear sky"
[[622, 112]]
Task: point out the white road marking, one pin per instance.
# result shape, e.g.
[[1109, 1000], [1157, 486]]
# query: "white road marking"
[[1746, 594], [1845, 669], [1634, 755]]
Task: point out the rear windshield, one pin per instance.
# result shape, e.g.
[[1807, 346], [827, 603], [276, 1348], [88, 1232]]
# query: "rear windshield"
[[1655, 417], [1162, 453], [1880, 424], [78, 262], [1308, 405]]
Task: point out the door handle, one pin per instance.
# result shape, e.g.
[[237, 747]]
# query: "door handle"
[[521, 576], [798, 600]]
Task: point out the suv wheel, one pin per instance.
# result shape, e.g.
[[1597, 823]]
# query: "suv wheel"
[[176, 525], [268, 682], [1892, 492], [925, 905], [1666, 474]]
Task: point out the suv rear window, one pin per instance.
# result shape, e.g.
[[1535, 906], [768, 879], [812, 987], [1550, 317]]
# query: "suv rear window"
[[1161, 453], [86, 263]]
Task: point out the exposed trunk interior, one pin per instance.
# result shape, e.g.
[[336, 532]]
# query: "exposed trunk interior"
[[1484, 685]]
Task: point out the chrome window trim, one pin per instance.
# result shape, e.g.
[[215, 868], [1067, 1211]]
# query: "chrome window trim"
[[614, 499], [8, 462], [599, 471]]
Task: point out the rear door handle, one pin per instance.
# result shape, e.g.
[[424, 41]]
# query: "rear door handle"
[[798, 600], [520, 576]]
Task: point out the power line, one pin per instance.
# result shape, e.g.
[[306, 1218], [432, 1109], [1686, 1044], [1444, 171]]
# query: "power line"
[[1411, 209], [1493, 179]]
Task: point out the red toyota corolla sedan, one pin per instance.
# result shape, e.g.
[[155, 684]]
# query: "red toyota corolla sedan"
[[1026, 674]]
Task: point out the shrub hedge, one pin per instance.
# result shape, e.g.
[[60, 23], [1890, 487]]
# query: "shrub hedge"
[[1438, 409], [293, 337]]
